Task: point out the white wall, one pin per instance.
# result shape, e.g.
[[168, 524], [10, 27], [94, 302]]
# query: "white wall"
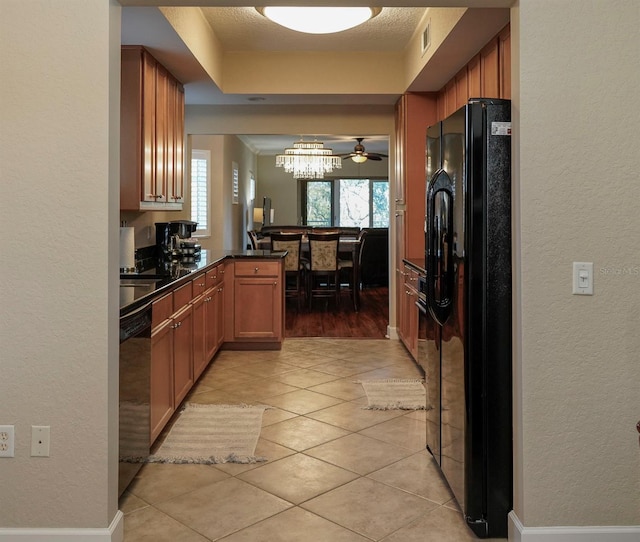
[[576, 82], [59, 144]]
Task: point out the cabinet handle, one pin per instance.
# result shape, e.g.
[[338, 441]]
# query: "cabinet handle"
[[220, 289], [275, 283], [256, 269]]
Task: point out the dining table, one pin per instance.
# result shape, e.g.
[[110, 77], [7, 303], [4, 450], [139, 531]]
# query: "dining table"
[[348, 246]]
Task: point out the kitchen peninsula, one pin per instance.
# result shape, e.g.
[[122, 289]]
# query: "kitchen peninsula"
[[174, 319]]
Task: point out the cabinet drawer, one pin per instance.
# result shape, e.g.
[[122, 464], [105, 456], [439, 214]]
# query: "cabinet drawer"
[[198, 285], [214, 276], [182, 296], [256, 269], [161, 309]]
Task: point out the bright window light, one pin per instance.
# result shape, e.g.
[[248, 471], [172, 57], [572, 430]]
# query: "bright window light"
[[318, 20]]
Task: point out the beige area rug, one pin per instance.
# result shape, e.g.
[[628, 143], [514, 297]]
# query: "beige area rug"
[[209, 434], [395, 394]]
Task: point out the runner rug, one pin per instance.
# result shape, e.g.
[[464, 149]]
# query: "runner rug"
[[211, 434], [395, 394]]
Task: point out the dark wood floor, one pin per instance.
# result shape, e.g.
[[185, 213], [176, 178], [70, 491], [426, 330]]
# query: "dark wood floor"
[[370, 322]]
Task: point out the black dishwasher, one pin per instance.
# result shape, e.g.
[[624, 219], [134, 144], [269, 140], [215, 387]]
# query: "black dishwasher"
[[135, 391]]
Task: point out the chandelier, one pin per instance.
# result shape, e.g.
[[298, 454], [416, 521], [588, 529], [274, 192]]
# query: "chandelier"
[[308, 160]]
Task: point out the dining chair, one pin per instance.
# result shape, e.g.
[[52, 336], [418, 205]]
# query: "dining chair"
[[253, 239], [323, 277], [294, 266], [349, 269]]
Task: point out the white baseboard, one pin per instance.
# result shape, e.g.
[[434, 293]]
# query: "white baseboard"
[[392, 333], [113, 533], [614, 533]]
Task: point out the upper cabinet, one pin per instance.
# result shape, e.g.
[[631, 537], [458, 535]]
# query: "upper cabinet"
[[414, 112], [486, 75], [151, 134]]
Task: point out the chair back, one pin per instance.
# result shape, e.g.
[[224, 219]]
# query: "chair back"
[[253, 239], [291, 242], [323, 251], [362, 238]]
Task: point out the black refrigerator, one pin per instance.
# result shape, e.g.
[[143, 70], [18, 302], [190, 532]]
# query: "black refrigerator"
[[467, 350]]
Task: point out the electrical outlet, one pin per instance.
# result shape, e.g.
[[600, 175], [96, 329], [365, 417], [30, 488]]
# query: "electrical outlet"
[[7, 440]]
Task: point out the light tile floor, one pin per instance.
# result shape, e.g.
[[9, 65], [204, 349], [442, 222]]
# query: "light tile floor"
[[335, 472]]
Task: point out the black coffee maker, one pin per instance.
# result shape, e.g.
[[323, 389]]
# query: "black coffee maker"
[[175, 243]]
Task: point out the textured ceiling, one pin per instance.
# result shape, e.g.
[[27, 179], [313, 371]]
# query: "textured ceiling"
[[390, 30]]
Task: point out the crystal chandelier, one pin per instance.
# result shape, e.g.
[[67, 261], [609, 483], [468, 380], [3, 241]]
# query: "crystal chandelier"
[[308, 160]]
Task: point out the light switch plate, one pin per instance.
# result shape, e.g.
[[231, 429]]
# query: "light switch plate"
[[583, 278]]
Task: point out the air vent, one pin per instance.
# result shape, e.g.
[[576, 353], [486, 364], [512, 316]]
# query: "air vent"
[[426, 37]]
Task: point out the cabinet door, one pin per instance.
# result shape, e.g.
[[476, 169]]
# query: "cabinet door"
[[211, 316], [473, 77], [170, 139], [450, 102], [162, 89], [258, 308], [401, 142], [505, 63], [200, 358], [219, 308], [162, 405], [489, 70], [182, 353], [462, 88], [148, 127], [178, 145]]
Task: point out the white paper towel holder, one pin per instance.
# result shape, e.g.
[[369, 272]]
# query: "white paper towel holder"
[[127, 250]]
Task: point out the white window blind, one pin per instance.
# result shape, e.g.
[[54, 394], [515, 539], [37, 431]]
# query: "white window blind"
[[200, 190]]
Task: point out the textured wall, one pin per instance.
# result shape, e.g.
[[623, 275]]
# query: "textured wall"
[[577, 455], [59, 217]]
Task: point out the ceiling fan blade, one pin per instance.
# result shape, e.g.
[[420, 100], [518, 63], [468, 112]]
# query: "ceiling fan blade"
[[372, 156]]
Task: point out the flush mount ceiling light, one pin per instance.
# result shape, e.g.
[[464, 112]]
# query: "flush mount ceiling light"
[[318, 20], [308, 160]]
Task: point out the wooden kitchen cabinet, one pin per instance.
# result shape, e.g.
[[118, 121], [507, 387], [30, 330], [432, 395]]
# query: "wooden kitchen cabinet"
[[151, 134], [161, 394], [214, 311], [198, 307], [410, 313], [490, 70], [171, 355], [182, 318], [415, 112], [504, 51], [182, 353], [258, 314]]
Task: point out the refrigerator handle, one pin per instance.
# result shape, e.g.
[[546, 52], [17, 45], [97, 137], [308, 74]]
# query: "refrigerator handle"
[[439, 260]]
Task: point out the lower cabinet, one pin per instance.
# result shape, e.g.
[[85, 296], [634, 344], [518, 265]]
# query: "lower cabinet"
[[200, 338], [409, 320], [258, 301], [182, 353], [188, 327], [171, 355], [161, 393]]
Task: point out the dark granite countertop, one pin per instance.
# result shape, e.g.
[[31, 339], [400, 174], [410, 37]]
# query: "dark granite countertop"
[[138, 289]]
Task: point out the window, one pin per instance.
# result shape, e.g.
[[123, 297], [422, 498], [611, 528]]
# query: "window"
[[346, 202], [200, 186]]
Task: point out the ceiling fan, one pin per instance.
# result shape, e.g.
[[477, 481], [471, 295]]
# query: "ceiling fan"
[[360, 155]]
